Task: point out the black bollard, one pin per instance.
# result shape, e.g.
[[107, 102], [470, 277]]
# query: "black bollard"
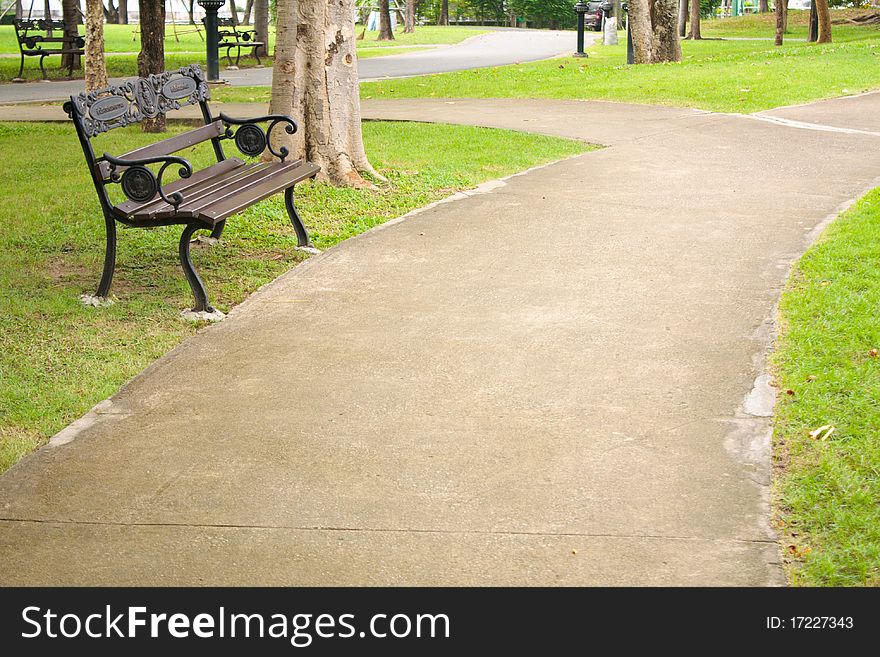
[[212, 39], [580, 9]]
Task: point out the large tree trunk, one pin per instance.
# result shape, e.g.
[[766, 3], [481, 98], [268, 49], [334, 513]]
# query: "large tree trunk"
[[151, 58], [642, 34], [385, 33], [111, 13], [824, 14], [261, 24], [248, 8], [780, 21], [409, 24], [95, 69], [315, 80], [763, 6], [695, 20], [683, 17], [123, 12], [666, 46], [70, 13], [444, 13]]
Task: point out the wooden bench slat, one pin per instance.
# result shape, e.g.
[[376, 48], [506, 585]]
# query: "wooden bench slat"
[[168, 146]]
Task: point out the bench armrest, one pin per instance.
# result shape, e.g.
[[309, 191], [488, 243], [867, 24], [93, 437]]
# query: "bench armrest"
[[141, 184], [250, 138]]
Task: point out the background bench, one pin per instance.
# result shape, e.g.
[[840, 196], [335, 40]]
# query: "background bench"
[[34, 42], [233, 36], [201, 199]]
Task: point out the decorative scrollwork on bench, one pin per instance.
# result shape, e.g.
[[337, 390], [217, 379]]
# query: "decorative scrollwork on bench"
[[250, 138], [140, 184]]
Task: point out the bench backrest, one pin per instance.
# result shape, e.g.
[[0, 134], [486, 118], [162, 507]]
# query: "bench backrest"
[[37, 25]]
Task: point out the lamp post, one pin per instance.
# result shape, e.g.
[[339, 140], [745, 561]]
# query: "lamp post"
[[580, 9], [630, 55], [212, 39]]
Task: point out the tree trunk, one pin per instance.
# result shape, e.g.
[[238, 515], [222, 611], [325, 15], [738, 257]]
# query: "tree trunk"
[[409, 24], [824, 14], [780, 21], [234, 12], [385, 33], [785, 17], [683, 17], [95, 69], [248, 8], [47, 9], [695, 20], [642, 34], [666, 46], [110, 12], [18, 11], [190, 9], [123, 12], [70, 13], [315, 80], [444, 13], [151, 58], [261, 24], [763, 6]]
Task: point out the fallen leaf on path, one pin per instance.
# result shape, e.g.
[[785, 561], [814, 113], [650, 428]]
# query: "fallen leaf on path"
[[790, 392], [873, 353]]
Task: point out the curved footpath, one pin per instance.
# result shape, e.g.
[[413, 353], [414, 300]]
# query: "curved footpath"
[[550, 382]]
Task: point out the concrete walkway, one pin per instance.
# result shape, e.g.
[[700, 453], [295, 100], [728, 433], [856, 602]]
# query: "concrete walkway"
[[556, 381], [496, 48]]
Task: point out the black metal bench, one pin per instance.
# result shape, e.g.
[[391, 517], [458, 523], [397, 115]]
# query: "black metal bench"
[[233, 36], [33, 41], [200, 200]]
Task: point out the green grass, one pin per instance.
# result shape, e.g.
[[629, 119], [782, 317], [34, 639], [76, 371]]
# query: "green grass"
[[190, 48], [58, 358], [828, 490], [726, 76]]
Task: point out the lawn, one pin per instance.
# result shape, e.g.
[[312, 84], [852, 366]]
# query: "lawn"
[[828, 371], [58, 358]]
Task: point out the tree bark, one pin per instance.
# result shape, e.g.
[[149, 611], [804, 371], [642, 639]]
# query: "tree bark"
[[261, 24], [123, 12], [824, 14], [642, 33], [683, 17], [95, 69], [409, 24], [248, 8], [385, 33], [315, 79], [780, 21], [666, 46], [70, 14], [151, 58], [444, 13], [763, 6], [695, 20]]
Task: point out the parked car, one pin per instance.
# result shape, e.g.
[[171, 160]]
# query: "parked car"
[[593, 17]]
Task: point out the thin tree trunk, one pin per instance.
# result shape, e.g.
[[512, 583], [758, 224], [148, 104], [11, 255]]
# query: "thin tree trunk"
[[151, 58], [248, 8], [315, 79], [444, 13], [95, 69], [642, 34], [47, 10], [70, 12], [190, 9], [666, 46], [385, 33], [123, 12], [409, 24], [683, 17], [695, 20], [261, 24], [234, 12], [824, 14], [780, 21], [18, 12], [785, 19], [763, 6]]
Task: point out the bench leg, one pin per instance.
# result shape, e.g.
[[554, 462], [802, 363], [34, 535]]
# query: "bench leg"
[[256, 55], [43, 70], [21, 68], [302, 236], [218, 229], [195, 283], [237, 55], [109, 259]]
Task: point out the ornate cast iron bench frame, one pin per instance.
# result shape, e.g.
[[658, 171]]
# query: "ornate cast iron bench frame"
[[235, 37], [40, 45], [199, 200]]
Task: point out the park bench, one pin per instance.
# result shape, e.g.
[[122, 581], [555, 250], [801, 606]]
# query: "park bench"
[[34, 41], [199, 200], [232, 36]]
